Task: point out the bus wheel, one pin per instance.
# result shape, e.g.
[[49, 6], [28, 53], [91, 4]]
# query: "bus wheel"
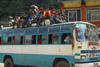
[[62, 64], [8, 63]]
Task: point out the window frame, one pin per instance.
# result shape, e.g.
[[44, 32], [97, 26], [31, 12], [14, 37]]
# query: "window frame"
[[31, 37], [90, 14], [58, 38], [37, 39], [76, 14], [7, 40], [20, 38]]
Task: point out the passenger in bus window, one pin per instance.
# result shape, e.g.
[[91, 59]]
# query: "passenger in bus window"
[[55, 39], [9, 40], [68, 39], [39, 42], [13, 40]]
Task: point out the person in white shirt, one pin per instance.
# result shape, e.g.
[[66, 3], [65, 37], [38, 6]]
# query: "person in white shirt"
[[11, 21], [68, 39], [17, 21]]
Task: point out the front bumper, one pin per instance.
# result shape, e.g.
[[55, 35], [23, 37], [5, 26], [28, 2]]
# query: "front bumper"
[[93, 64]]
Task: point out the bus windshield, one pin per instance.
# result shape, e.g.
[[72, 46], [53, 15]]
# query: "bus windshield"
[[86, 32]]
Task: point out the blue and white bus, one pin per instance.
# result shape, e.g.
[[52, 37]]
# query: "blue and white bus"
[[45, 46]]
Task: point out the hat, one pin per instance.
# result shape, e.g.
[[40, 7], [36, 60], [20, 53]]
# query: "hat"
[[41, 8], [10, 17], [32, 6]]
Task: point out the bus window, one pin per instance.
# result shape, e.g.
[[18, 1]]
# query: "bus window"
[[42, 39], [66, 38], [18, 40], [28, 39], [6, 40], [34, 39], [53, 39]]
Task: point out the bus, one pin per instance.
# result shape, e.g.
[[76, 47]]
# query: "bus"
[[70, 44]]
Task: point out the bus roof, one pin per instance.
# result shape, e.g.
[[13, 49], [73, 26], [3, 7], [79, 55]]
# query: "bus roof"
[[6, 28], [74, 22]]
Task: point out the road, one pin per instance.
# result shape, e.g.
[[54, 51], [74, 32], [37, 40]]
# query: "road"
[[1, 65]]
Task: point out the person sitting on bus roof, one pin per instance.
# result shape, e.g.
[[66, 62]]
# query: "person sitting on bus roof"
[[17, 21], [32, 18], [23, 20], [11, 21], [62, 16], [33, 9], [47, 15], [40, 17], [55, 18], [27, 20], [52, 11], [62, 13]]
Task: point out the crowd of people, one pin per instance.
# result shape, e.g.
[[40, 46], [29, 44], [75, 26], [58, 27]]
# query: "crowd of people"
[[38, 16]]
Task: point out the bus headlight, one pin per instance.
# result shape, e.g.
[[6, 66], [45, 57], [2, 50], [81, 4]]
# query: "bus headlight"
[[83, 57]]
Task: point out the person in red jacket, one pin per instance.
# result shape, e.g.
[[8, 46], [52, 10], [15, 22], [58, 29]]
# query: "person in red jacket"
[[53, 11], [47, 15]]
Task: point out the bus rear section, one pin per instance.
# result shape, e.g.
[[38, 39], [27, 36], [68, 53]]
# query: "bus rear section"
[[87, 47]]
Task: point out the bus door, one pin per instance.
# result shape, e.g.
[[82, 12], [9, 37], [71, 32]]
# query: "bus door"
[[66, 42]]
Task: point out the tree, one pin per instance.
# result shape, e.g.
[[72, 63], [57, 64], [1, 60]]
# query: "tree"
[[10, 7]]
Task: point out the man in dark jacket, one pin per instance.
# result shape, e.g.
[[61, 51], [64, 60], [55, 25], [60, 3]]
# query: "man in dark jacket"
[[56, 18]]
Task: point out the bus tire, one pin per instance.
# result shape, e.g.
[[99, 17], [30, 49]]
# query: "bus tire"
[[62, 64], [8, 63]]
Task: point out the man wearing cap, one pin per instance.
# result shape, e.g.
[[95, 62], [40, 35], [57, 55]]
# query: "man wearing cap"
[[23, 20], [11, 21], [33, 9], [40, 16], [55, 18], [32, 18]]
